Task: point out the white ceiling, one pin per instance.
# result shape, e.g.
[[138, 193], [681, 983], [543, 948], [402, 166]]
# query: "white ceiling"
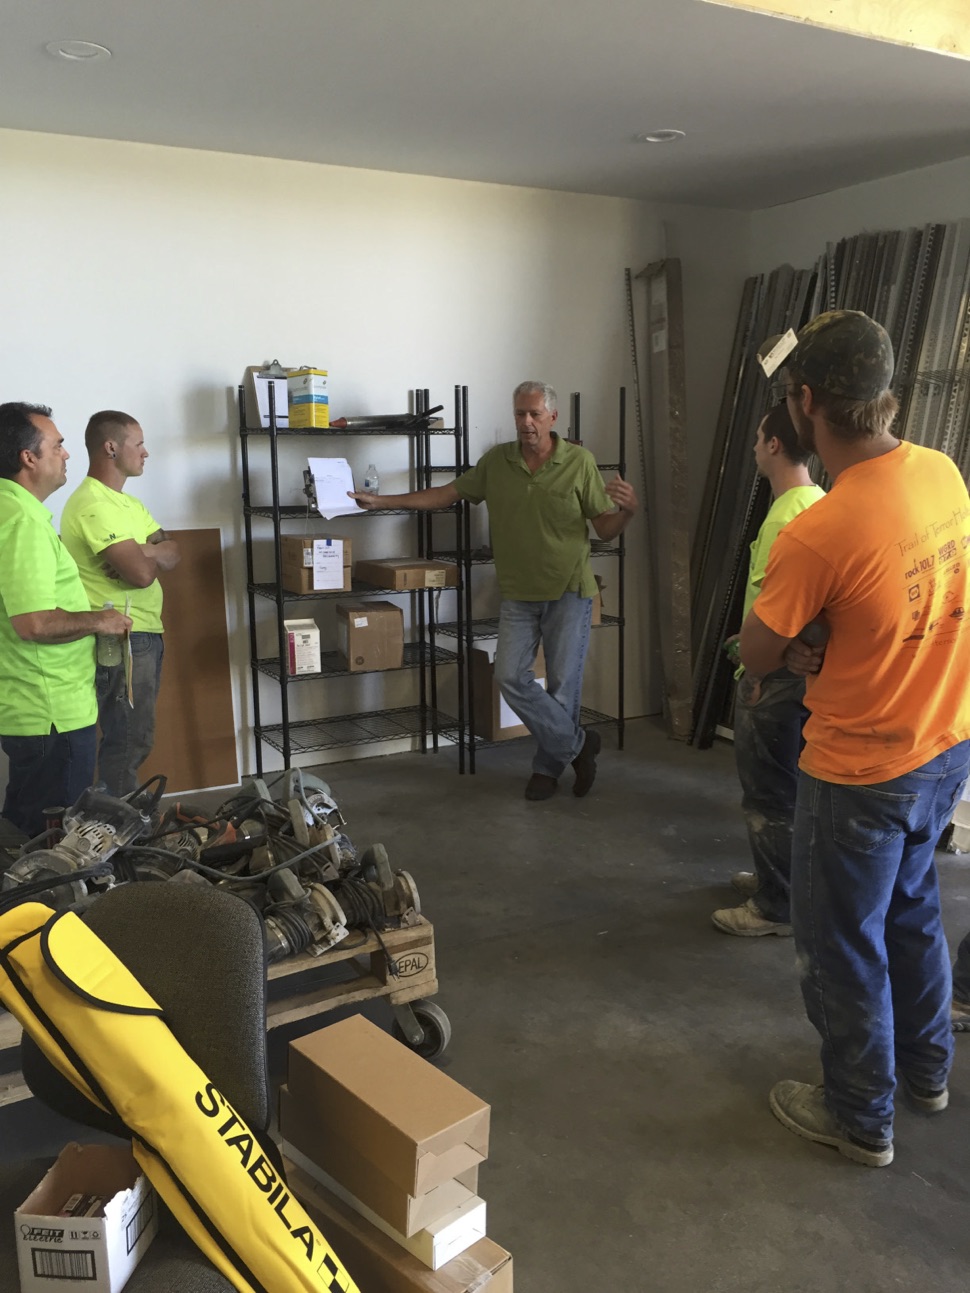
[[544, 93]]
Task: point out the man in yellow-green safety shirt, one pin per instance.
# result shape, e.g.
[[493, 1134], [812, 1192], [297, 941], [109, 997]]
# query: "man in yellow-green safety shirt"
[[769, 712], [48, 710], [120, 549]]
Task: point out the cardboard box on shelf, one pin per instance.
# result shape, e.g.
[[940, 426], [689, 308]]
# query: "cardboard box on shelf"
[[302, 647], [308, 397], [459, 1226], [315, 563], [99, 1251], [370, 635], [397, 1110], [597, 616], [406, 1213], [404, 573], [379, 1265], [495, 719]]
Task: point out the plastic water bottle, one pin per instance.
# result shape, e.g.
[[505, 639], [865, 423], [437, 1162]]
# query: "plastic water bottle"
[[372, 482], [109, 644]]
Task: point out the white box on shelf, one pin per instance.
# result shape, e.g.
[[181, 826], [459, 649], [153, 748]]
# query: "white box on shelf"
[[302, 647]]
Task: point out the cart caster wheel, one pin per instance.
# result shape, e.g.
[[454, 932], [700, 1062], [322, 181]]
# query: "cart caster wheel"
[[435, 1025]]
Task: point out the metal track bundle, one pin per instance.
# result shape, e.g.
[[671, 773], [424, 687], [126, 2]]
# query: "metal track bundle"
[[916, 282]]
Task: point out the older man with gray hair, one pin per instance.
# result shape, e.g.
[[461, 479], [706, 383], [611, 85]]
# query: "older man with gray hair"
[[541, 492]]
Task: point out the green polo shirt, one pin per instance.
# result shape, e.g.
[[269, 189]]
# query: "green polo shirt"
[[95, 517], [40, 686], [539, 521]]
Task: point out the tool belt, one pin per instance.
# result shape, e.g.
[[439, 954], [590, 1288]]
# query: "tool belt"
[[105, 1034]]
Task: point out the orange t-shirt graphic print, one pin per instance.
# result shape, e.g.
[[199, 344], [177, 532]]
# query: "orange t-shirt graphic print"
[[886, 555]]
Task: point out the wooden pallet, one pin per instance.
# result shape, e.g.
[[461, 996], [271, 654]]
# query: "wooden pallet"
[[366, 961], [411, 949]]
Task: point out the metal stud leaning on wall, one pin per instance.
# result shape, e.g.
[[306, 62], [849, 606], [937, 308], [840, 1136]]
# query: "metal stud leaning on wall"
[[916, 282], [735, 500], [663, 448]]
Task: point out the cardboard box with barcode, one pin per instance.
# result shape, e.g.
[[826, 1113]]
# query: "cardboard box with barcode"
[[98, 1253], [315, 563], [379, 1265], [370, 635], [435, 1225], [404, 573], [302, 647], [495, 719], [397, 1111]]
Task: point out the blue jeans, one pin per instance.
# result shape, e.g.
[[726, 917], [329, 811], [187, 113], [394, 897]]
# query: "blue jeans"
[[869, 938], [552, 713], [767, 743], [128, 733], [46, 772]]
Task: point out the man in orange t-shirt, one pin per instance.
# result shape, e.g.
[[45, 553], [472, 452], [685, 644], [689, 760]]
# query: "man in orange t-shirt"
[[883, 558]]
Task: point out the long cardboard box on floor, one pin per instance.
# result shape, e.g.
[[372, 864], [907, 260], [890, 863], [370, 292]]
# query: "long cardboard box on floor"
[[404, 1212], [379, 1265], [399, 1111], [460, 1225]]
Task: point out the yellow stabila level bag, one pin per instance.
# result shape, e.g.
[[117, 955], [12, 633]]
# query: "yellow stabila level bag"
[[105, 1034]]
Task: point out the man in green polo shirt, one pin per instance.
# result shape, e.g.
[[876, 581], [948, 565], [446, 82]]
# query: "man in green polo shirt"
[[542, 493], [120, 549], [47, 703]]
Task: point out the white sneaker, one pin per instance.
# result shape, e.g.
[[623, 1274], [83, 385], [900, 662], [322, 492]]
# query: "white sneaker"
[[747, 921], [745, 883]]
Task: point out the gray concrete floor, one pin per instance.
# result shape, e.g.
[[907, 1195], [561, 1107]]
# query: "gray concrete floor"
[[627, 1047]]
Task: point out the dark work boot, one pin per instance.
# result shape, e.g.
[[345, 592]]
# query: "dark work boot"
[[585, 764], [541, 787]]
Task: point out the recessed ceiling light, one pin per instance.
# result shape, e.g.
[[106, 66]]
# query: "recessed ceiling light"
[[661, 136], [79, 51]]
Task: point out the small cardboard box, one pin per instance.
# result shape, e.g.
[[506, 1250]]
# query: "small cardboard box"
[[460, 1226], [315, 563], [370, 635], [597, 616], [307, 1135], [379, 1265], [302, 647], [495, 719], [404, 573], [308, 397], [396, 1109], [100, 1252]]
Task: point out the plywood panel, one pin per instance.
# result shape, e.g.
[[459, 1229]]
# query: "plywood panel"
[[195, 736], [668, 420]]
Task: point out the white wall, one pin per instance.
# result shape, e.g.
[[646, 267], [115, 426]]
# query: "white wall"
[[146, 278], [797, 232]]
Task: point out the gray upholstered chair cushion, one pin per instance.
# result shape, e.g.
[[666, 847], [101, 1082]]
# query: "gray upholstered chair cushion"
[[199, 951]]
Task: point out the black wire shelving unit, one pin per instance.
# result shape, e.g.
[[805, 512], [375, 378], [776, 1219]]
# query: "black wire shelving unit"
[[424, 721]]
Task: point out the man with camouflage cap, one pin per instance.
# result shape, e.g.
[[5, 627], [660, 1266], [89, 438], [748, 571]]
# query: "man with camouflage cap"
[[883, 560]]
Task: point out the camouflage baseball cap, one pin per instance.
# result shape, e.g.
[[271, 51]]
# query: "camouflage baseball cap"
[[845, 353]]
